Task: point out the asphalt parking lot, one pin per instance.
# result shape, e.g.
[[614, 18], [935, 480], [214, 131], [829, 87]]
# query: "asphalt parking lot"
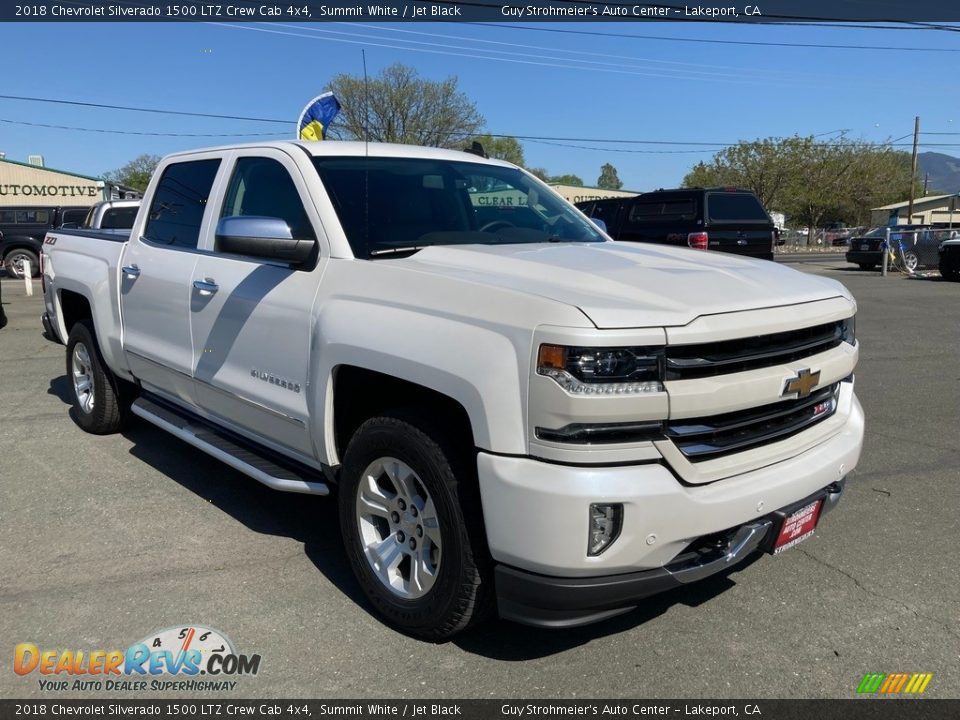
[[107, 539]]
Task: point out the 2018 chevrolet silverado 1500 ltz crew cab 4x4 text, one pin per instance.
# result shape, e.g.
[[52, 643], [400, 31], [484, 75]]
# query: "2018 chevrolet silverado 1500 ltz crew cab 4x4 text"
[[516, 413]]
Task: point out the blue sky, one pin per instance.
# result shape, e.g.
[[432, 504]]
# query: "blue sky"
[[556, 84]]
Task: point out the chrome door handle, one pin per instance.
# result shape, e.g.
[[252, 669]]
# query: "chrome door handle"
[[207, 286], [131, 270]]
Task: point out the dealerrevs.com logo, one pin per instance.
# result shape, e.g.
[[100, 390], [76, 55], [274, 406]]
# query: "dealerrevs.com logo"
[[184, 658]]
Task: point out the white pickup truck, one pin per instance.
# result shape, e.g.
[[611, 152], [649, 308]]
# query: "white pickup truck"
[[516, 412]]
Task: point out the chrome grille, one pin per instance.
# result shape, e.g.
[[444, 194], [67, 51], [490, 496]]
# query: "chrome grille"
[[729, 356], [711, 437]]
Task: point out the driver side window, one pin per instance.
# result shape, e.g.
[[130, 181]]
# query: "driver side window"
[[262, 187]]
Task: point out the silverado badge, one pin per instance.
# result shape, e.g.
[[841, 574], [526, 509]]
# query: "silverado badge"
[[802, 384]]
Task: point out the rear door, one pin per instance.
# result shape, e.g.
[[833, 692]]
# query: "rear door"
[[157, 269], [251, 317], [737, 223]]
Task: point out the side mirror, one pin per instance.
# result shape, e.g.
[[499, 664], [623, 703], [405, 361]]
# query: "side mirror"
[[263, 237], [599, 223]]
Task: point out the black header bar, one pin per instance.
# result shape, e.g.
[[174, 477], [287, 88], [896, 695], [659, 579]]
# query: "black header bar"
[[731, 11]]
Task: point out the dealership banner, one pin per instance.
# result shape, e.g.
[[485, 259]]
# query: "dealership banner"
[[731, 11]]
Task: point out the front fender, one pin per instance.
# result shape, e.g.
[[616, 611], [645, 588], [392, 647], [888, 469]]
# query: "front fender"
[[482, 367]]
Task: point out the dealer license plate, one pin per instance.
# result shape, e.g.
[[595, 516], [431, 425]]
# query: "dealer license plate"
[[798, 527]]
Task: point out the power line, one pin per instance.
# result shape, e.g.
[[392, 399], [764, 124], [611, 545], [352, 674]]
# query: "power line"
[[538, 60], [620, 67], [633, 36], [137, 132], [532, 138], [657, 61], [143, 110]]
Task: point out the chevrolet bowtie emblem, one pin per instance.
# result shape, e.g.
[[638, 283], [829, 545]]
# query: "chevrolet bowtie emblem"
[[802, 384]]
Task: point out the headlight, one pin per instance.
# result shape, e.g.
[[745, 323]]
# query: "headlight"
[[849, 329], [603, 370]]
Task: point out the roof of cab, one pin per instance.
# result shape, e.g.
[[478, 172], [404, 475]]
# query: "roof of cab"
[[358, 149]]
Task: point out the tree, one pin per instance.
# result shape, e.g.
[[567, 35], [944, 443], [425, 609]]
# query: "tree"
[[609, 179], [539, 173], [136, 173], [812, 182], [501, 148], [401, 107], [566, 180]]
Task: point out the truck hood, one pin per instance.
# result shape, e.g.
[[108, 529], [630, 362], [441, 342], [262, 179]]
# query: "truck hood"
[[629, 285]]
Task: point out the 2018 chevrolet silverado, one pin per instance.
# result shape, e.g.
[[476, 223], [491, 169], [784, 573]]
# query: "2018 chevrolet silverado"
[[516, 412]]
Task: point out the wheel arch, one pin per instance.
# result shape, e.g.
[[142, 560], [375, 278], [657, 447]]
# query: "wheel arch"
[[360, 393]]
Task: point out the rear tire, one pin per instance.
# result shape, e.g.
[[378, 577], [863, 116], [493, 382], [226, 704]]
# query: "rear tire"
[[867, 266], [412, 526], [101, 403], [15, 259]]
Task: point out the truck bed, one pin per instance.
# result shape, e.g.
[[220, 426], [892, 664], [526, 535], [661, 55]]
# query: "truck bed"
[[85, 264]]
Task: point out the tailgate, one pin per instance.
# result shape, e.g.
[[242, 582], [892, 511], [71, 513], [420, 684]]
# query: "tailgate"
[[756, 242]]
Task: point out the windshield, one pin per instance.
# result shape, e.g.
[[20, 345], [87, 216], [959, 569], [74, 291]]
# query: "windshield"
[[392, 205]]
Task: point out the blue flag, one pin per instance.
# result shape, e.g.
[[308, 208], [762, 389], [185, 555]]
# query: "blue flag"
[[316, 117]]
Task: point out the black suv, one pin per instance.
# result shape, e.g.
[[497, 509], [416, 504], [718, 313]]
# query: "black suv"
[[22, 229], [726, 219]]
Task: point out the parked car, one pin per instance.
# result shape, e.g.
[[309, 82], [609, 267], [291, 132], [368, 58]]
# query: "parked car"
[[836, 235], [725, 219], [518, 415], [948, 261], [113, 215], [917, 244], [22, 229], [108, 215]]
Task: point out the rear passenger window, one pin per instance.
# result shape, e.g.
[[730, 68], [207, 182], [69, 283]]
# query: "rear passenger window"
[[179, 201], [663, 211], [118, 218], [730, 207], [262, 187], [74, 216], [30, 217]]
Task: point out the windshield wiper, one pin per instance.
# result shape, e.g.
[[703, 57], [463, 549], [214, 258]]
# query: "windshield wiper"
[[395, 251]]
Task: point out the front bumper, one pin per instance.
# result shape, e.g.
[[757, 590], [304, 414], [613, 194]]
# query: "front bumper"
[[537, 519], [546, 601]]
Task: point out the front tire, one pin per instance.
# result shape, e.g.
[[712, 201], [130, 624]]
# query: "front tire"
[[411, 523], [15, 259], [100, 403]]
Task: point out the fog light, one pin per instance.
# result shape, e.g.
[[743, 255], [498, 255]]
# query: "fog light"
[[605, 524]]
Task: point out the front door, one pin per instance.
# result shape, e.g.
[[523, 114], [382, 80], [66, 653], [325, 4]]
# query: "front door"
[[251, 317]]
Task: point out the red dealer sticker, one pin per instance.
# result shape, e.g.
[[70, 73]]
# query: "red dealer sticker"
[[798, 527]]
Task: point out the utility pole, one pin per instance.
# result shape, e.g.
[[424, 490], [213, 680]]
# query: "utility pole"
[[926, 181], [913, 167]]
